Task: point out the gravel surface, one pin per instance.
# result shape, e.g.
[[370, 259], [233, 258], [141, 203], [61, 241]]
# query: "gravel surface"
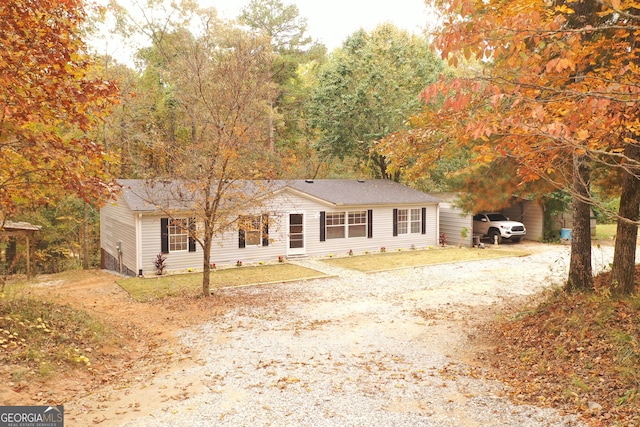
[[383, 349]]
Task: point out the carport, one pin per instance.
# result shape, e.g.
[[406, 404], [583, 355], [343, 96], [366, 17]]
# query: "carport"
[[453, 219]]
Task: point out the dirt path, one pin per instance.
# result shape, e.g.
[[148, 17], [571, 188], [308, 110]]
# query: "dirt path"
[[144, 339]]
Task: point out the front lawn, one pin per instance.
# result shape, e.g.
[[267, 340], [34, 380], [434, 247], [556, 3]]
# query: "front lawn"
[[151, 288], [606, 232], [414, 258]]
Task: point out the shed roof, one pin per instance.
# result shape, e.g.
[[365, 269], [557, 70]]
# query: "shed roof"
[[337, 192], [11, 226]]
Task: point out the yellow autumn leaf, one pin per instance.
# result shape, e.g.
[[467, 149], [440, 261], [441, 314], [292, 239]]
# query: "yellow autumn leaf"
[[582, 134]]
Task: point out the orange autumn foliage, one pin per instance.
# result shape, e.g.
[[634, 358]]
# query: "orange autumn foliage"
[[551, 80], [48, 105]]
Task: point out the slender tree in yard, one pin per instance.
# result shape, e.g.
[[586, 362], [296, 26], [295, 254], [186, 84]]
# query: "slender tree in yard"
[[557, 94], [220, 80], [48, 106]]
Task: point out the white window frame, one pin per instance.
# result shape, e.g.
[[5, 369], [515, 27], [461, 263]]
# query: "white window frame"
[[178, 234], [357, 226], [416, 221], [335, 225], [253, 228], [403, 221]]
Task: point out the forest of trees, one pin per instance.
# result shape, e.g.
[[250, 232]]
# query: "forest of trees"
[[210, 99], [536, 99]]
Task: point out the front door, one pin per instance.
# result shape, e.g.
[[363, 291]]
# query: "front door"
[[296, 234]]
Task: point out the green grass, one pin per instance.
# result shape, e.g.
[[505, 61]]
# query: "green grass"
[[391, 260], [151, 288], [605, 231]]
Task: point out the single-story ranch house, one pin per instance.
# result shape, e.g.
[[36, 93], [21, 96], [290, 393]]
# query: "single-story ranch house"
[[295, 218]]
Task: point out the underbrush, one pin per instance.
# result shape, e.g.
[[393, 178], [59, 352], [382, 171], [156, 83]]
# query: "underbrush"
[[40, 339], [576, 352]]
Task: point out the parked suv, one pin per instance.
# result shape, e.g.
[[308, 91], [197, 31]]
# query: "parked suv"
[[495, 224]]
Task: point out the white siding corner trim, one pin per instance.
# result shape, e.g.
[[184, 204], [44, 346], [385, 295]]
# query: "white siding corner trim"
[[138, 226]]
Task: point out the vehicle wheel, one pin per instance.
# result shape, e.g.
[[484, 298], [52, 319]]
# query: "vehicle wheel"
[[493, 233], [516, 239]]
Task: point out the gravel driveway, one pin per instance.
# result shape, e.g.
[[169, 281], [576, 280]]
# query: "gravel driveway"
[[384, 349]]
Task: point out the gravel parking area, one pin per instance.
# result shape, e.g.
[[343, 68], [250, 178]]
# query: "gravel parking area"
[[383, 349]]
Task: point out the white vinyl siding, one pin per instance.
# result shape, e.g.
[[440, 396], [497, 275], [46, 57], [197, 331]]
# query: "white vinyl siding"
[[452, 223], [226, 251], [118, 229]]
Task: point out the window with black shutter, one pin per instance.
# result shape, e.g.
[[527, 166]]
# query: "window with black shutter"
[[253, 230]]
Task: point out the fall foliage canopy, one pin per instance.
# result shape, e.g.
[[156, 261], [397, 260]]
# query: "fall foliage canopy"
[[543, 87], [48, 105], [554, 89]]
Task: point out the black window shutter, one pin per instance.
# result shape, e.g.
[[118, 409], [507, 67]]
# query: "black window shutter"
[[192, 230], [164, 235], [323, 226], [370, 223], [241, 241], [265, 230], [424, 220], [395, 222]]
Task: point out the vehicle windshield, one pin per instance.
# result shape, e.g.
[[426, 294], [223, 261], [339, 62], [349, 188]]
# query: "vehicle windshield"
[[497, 217]]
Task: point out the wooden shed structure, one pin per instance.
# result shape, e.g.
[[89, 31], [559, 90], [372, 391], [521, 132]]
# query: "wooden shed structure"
[[10, 228]]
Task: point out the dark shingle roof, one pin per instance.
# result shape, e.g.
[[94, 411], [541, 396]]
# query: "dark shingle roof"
[[337, 192], [140, 194], [361, 192]]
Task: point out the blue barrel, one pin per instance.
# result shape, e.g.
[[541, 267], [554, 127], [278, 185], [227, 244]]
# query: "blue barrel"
[[565, 234]]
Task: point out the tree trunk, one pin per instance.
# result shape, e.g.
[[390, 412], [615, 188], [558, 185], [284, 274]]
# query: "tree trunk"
[[85, 238], [11, 253], [125, 156], [624, 258], [272, 136], [206, 265], [580, 270]]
